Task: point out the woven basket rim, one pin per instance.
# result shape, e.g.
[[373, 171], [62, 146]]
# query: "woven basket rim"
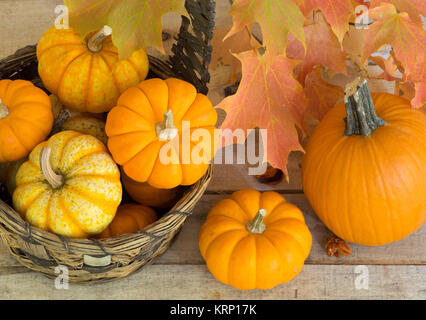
[[41, 236]]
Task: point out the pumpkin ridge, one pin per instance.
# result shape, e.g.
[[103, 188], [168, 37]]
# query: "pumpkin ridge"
[[89, 82], [385, 191], [232, 253], [114, 79], [55, 46], [46, 227], [138, 115], [35, 198], [242, 232], [29, 123], [135, 68], [13, 90], [77, 162], [280, 231], [62, 147], [371, 149], [329, 166], [152, 142], [150, 102], [346, 202], [61, 78], [17, 136], [70, 216], [319, 167], [66, 172], [5, 89], [90, 199]]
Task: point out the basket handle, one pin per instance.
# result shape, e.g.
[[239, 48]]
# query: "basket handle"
[[192, 52]]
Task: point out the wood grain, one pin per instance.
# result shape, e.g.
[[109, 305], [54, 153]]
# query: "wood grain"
[[185, 250], [195, 282]]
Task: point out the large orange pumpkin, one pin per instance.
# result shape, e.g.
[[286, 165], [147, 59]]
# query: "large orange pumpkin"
[[129, 218], [25, 118], [254, 240], [364, 174], [86, 74], [146, 129]]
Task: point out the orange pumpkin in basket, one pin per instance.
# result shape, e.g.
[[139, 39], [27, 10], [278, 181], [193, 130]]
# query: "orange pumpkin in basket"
[[150, 128], [86, 74], [254, 240], [128, 219], [25, 118], [147, 195]]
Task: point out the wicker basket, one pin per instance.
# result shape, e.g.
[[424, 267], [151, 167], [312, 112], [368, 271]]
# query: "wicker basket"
[[87, 260]]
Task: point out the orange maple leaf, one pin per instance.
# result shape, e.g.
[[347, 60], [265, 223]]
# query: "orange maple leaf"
[[318, 37], [337, 13], [277, 18], [268, 97]]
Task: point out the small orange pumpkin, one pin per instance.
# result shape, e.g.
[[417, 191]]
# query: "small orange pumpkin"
[[364, 173], [128, 219], [25, 118], [87, 75], [254, 240], [144, 194], [146, 133]]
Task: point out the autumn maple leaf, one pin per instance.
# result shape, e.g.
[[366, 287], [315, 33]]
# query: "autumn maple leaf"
[[414, 8], [321, 95], [337, 13], [318, 36], [277, 18], [268, 97], [408, 41], [136, 24]]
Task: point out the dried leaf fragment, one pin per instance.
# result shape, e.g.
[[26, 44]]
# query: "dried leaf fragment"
[[336, 246]]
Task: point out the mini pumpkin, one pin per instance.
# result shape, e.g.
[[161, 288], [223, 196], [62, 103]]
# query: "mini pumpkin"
[[25, 118], [149, 131], [365, 166], [86, 74], [129, 218], [88, 125], [147, 195], [70, 186], [254, 240]]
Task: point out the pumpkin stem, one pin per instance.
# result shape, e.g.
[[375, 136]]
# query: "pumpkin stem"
[[95, 42], [361, 118], [4, 111], [256, 225], [55, 180], [166, 130]]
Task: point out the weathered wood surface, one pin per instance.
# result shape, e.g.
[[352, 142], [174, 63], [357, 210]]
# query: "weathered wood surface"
[[195, 282], [396, 271]]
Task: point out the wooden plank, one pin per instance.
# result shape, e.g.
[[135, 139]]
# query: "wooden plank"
[[408, 251], [227, 177], [196, 282]]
